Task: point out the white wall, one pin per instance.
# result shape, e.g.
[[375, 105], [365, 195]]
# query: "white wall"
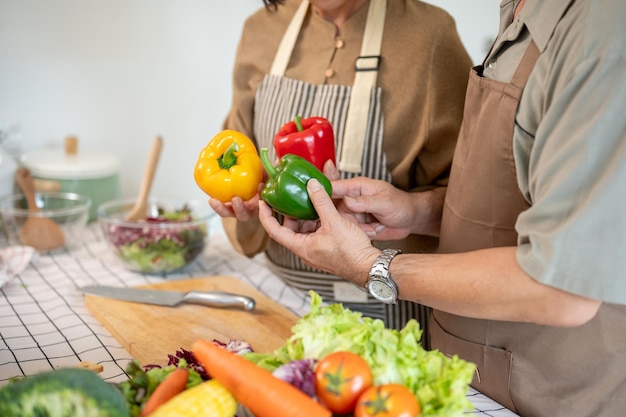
[[118, 72], [477, 23]]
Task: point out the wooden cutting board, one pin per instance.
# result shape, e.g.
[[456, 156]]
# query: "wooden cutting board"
[[151, 332]]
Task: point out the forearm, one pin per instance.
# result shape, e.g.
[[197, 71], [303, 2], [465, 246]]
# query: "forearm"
[[248, 238], [486, 284]]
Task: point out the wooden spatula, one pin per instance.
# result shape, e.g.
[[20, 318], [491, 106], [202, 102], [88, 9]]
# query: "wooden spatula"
[[41, 233], [138, 212]]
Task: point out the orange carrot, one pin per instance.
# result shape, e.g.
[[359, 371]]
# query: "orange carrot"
[[254, 387], [172, 385]]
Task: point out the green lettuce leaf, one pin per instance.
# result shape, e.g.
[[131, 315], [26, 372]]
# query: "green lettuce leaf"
[[155, 257]]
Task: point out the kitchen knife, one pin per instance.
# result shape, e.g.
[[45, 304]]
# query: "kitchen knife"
[[172, 298]]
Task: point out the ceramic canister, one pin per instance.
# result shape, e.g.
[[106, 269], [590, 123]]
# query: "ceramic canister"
[[91, 173]]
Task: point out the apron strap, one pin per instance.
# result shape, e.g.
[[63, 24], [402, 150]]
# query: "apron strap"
[[526, 65], [366, 70], [281, 59]]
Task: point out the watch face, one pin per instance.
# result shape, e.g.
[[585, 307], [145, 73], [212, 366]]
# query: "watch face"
[[382, 291]]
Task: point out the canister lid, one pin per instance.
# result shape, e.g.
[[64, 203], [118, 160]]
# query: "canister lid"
[[68, 163]]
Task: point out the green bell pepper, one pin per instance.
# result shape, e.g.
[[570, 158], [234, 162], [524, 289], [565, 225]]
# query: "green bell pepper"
[[285, 189]]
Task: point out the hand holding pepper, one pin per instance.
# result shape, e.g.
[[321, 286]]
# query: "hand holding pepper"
[[285, 190], [312, 139], [228, 167]]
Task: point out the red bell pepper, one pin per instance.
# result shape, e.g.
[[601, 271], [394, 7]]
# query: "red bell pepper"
[[312, 139]]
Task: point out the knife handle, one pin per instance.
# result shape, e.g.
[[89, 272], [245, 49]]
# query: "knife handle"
[[219, 299]]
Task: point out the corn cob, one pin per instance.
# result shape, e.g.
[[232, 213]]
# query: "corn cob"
[[209, 399]]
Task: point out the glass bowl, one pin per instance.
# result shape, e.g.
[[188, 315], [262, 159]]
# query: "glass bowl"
[[70, 211], [172, 236]]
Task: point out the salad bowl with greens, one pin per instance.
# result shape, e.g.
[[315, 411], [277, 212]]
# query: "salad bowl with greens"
[[172, 236]]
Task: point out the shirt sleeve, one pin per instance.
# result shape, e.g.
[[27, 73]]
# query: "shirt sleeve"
[[253, 60], [245, 79], [570, 146], [424, 106]]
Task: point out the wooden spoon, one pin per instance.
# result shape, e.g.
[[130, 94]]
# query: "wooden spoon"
[[41, 233], [138, 212]]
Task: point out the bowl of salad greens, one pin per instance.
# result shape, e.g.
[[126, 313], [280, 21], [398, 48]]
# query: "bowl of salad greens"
[[172, 236]]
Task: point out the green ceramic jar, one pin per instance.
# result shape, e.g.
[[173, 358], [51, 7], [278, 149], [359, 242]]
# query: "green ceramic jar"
[[94, 174]]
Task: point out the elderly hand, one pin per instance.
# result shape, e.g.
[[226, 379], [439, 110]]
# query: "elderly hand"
[[386, 213], [336, 244]]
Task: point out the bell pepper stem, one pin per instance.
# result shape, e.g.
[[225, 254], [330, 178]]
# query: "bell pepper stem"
[[298, 122], [269, 167], [228, 159]]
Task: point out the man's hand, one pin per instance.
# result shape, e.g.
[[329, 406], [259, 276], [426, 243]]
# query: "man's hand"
[[386, 213], [336, 244]]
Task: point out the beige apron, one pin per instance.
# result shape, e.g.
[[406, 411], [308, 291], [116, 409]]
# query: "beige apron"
[[278, 99], [533, 370]]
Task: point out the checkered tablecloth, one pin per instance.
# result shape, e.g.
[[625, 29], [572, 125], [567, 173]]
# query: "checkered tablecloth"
[[44, 323]]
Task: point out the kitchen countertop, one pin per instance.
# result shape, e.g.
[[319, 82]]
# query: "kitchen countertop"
[[44, 323]]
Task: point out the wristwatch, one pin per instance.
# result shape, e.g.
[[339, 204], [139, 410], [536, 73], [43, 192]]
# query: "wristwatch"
[[380, 284]]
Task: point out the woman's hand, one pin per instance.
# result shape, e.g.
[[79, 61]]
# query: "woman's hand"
[[243, 211], [335, 244]]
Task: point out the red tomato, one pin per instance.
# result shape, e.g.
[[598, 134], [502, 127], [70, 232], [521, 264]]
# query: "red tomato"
[[340, 378], [387, 400]]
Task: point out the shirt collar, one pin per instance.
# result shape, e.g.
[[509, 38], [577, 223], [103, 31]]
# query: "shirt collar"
[[540, 17]]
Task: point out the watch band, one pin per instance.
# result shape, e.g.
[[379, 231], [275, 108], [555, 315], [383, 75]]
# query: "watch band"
[[380, 273]]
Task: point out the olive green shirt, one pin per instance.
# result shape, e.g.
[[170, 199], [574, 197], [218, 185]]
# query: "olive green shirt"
[[570, 142]]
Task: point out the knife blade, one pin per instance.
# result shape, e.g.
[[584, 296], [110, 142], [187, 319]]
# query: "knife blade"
[[172, 298]]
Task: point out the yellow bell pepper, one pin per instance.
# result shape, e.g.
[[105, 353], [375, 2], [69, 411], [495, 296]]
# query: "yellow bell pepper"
[[229, 166], [209, 399]]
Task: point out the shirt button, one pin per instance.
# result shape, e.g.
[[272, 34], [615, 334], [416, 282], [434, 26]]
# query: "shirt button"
[[329, 73], [339, 43], [491, 64]]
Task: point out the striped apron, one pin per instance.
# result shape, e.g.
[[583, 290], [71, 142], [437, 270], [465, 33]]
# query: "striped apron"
[[278, 99]]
